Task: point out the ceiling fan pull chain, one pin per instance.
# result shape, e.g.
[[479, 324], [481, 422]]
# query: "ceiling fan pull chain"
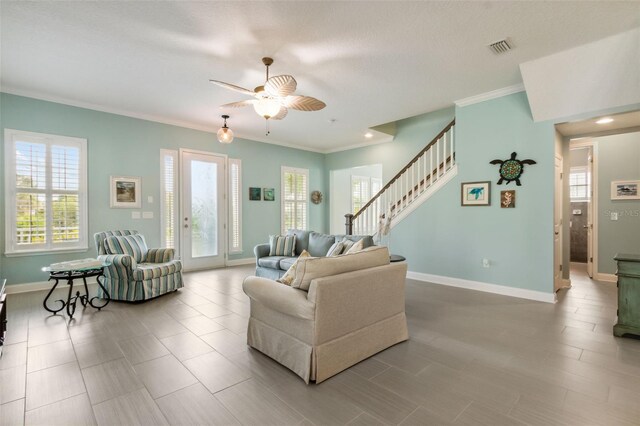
[[266, 127]]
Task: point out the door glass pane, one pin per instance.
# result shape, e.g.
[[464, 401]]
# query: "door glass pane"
[[204, 209]]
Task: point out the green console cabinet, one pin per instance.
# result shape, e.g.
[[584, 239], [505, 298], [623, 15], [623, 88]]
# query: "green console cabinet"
[[628, 295]]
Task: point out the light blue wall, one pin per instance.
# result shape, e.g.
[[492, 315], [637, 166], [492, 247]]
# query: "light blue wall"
[[119, 145], [618, 159], [443, 238]]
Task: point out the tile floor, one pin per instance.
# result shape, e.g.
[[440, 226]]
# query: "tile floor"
[[473, 358]]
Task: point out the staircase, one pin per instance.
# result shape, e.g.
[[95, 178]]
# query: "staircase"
[[427, 172]]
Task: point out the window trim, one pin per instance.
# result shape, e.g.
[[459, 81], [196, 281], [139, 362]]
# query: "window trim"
[[589, 184], [231, 248], [11, 248], [296, 170], [173, 154]]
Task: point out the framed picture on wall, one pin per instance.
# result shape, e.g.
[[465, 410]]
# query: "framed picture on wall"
[[255, 194], [476, 193], [269, 194], [126, 192], [625, 190]]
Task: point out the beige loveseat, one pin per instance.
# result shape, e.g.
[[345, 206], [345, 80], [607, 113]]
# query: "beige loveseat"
[[353, 309]]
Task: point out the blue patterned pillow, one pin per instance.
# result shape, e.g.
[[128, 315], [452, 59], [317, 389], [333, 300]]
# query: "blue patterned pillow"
[[133, 245], [282, 245]]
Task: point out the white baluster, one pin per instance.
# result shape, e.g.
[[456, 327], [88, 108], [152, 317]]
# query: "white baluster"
[[444, 153], [452, 147], [426, 172]]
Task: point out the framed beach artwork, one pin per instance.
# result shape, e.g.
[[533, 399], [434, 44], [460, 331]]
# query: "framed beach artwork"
[[476, 193], [269, 194], [126, 192], [625, 190], [508, 199]]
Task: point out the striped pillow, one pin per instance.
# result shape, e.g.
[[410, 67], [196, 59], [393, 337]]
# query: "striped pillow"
[[281, 245], [336, 249], [133, 245]]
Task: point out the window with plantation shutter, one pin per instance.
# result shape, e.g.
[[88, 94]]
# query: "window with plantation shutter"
[[169, 198], [235, 205], [295, 187], [46, 192]]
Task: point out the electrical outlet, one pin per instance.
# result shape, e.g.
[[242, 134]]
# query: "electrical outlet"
[[147, 215], [135, 215], [150, 199], [485, 263], [614, 215]]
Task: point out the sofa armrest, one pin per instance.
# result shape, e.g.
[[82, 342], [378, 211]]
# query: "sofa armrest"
[[121, 266], [261, 250], [279, 297], [160, 255], [348, 302]]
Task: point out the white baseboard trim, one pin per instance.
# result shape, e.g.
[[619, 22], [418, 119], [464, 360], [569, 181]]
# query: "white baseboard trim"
[[610, 278], [42, 285], [486, 287], [239, 262]]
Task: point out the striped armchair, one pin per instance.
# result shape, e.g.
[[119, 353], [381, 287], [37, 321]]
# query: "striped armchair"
[[137, 273]]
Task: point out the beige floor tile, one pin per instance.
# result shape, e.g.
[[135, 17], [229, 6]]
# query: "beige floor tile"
[[200, 325], [163, 326], [422, 416], [535, 412], [53, 384], [216, 372], [233, 322], [186, 345], [194, 405], [13, 355], [133, 409], [477, 414], [50, 355], [365, 419], [48, 334], [12, 413], [371, 397], [225, 342], [253, 403], [142, 348], [369, 368], [125, 329], [97, 350], [74, 411], [163, 376], [19, 333], [181, 311], [211, 310], [109, 380]]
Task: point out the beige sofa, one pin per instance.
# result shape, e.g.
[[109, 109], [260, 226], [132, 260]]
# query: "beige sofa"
[[353, 309]]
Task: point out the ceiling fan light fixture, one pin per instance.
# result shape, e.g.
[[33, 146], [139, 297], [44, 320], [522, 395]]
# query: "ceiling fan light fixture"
[[267, 107], [225, 134]]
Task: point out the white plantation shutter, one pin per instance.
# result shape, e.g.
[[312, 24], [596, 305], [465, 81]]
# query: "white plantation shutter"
[[46, 180], [235, 205], [295, 190], [169, 198], [360, 192]]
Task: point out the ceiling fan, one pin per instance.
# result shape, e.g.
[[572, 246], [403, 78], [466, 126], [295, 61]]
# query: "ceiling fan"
[[273, 99]]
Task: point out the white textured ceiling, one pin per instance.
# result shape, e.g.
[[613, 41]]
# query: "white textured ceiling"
[[371, 62]]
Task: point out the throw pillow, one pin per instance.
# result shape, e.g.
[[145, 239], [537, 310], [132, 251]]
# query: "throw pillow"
[[347, 245], [335, 249], [290, 275], [356, 247], [281, 245], [133, 245]]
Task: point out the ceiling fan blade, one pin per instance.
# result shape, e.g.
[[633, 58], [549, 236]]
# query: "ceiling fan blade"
[[281, 114], [281, 85], [233, 87], [238, 104], [304, 103]]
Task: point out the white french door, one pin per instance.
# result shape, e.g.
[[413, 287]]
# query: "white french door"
[[202, 219]]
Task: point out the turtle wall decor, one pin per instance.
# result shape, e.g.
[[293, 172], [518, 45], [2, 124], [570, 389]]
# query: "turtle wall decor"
[[511, 169]]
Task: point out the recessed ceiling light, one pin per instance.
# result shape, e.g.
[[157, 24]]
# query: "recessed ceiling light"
[[605, 120], [368, 135]]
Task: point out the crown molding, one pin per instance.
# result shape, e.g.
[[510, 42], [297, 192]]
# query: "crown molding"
[[498, 93], [146, 117]]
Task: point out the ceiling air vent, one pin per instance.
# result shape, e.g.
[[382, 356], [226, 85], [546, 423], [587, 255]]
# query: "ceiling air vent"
[[500, 47]]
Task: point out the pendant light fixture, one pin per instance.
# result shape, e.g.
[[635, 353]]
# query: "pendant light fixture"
[[225, 134]]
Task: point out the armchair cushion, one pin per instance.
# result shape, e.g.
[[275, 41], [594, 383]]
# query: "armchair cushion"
[[147, 271], [278, 297], [133, 245], [287, 262], [160, 255]]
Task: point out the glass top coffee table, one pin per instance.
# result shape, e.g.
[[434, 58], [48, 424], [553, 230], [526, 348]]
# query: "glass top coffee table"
[[70, 275]]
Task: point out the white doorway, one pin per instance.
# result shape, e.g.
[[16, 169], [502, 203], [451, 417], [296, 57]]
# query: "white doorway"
[[557, 227], [581, 198], [202, 210], [350, 189]]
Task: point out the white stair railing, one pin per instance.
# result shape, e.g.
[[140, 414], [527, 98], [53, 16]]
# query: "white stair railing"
[[419, 177]]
